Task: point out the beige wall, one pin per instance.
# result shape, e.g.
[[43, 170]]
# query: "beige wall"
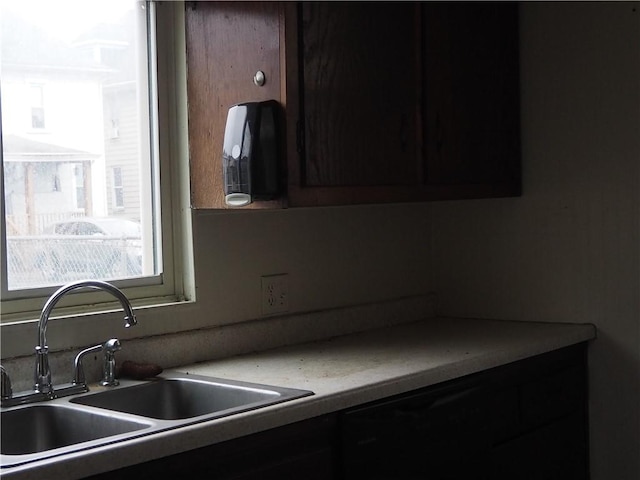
[[568, 250], [334, 257]]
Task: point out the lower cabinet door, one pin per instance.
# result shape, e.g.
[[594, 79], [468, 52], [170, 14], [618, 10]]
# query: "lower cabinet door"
[[316, 465], [440, 434], [558, 451]]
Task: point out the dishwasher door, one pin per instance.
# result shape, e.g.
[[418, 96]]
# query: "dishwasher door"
[[439, 433]]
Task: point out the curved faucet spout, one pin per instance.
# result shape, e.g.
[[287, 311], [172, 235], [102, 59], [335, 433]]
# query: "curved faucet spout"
[[129, 317], [42, 370]]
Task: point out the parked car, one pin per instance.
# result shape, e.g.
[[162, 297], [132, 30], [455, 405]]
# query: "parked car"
[[106, 247]]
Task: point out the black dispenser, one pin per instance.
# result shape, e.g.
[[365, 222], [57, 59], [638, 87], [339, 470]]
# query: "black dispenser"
[[250, 153]]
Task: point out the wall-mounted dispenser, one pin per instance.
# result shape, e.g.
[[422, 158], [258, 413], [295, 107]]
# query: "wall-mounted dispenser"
[[250, 155]]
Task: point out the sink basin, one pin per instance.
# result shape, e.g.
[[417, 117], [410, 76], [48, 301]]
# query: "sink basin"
[[189, 396], [74, 425], [37, 428]]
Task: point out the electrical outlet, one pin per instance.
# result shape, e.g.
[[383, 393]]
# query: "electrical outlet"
[[275, 293]]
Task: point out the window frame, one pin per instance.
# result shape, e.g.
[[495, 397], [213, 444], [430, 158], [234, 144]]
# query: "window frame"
[[20, 309]]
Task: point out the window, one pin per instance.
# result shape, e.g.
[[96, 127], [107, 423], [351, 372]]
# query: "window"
[[37, 106], [117, 188], [79, 191], [80, 225]]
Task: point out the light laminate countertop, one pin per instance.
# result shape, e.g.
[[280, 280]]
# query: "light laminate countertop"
[[342, 372]]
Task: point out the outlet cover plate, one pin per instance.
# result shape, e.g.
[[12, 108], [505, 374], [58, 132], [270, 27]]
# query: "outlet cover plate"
[[275, 293]]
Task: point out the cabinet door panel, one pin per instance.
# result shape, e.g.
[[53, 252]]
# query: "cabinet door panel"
[[316, 465], [471, 102], [557, 451], [360, 96]]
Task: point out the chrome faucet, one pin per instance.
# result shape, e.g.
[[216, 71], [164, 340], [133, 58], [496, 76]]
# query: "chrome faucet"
[[42, 369]]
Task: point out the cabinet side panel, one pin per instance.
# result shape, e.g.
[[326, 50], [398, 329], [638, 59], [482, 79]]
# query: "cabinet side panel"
[[227, 43]]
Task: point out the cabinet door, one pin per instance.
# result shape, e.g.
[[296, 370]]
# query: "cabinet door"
[[359, 78], [438, 433], [557, 451], [471, 101], [314, 465], [353, 101], [227, 43], [547, 423], [403, 102], [302, 450]]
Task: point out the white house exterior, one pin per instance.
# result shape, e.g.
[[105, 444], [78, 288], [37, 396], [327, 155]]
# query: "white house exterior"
[[64, 144]]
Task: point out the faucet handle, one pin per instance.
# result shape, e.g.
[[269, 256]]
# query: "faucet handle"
[[6, 391], [78, 371], [109, 363]]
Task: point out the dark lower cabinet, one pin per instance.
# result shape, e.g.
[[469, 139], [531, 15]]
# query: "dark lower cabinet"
[[557, 451], [434, 433], [526, 420], [300, 450], [546, 437]]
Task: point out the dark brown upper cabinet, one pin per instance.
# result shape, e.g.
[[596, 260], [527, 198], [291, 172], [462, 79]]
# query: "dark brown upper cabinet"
[[360, 92], [354, 101], [470, 77], [383, 101]]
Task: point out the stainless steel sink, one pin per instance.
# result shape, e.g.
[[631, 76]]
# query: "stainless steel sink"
[[29, 430], [44, 427], [135, 408], [186, 397]]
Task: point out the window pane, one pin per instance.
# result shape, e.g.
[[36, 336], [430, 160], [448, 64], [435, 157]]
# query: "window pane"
[[37, 106], [118, 189], [78, 190]]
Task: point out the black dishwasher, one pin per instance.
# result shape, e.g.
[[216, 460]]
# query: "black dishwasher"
[[437, 433]]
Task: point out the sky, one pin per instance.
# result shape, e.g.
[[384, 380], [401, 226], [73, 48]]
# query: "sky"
[[66, 19]]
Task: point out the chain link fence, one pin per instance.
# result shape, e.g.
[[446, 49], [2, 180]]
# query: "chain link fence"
[[43, 260]]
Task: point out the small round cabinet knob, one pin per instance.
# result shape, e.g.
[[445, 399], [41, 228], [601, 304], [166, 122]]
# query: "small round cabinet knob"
[[259, 78]]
